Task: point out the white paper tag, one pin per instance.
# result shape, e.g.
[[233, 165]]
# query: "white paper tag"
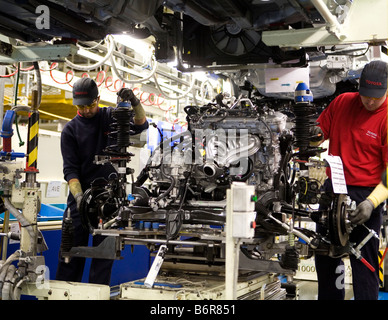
[[53, 189], [337, 174]]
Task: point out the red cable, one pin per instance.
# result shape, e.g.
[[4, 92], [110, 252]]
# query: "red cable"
[[106, 82], [159, 103], [136, 89], [67, 74], [143, 101], [53, 66], [121, 85], [150, 99], [27, 69], [114, 85], [9, 75], [99, 83]]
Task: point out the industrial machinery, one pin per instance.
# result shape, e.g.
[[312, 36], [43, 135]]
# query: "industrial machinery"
[[238, 38], [25, 195], [181, 204], [178, 204], [24, 271]]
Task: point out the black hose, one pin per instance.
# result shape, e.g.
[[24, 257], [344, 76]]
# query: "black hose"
[[67, 234], [248, 173], [172, 185], [38, 81]]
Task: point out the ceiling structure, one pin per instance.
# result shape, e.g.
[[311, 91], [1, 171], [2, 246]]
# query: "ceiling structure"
[[237, 38]]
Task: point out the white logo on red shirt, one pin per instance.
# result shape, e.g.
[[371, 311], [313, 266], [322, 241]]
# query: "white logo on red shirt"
[[371, 134]]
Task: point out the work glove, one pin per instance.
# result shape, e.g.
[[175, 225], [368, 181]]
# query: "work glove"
[[362, 212], [78, 198], [76, 191], [316, 134], [127, 94]]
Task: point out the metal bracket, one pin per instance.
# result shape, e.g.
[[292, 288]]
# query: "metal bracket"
[[356, 28], [11, 53], [109, 248], [262, 265]]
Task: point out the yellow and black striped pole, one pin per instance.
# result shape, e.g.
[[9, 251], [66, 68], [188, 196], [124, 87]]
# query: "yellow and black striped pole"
[[33, 130], [381, 256]]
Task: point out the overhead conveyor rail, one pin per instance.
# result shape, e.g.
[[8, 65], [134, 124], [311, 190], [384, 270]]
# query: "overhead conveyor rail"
[[162, 89]]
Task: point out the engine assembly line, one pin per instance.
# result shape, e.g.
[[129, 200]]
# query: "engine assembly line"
[[224, 195], [188, 189]]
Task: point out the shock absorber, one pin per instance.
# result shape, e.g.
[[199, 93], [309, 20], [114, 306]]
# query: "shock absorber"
[[303, 111], [123, 115], [121, 132], [304, 120], [116, 154], [67, 236]]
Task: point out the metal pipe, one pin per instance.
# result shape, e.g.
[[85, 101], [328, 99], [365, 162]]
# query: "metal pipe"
[[326, 14], [5, 228], [45, 225], [4, 267], [20, 217], [291, 230], [97, 64], [176, 242], [38, 82], [151, 74]]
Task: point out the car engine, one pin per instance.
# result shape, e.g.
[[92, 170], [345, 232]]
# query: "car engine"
[[179, 200]]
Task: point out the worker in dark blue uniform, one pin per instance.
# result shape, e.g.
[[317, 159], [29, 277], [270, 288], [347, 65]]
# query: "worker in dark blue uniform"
[[85, 136]]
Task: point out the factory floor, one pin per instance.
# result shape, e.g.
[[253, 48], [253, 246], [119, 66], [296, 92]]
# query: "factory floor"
[[308, 290]]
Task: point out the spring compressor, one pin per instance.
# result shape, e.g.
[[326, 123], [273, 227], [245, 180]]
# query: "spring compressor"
[[357, 251]]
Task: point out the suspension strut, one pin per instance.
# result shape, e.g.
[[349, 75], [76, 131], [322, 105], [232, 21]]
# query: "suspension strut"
[[304, 112], [121, 131]]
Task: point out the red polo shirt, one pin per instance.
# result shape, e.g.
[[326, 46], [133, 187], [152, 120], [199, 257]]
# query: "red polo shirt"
[[358, 136]]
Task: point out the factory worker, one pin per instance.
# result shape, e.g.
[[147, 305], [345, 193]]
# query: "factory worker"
[[355, 123], [85, 136]]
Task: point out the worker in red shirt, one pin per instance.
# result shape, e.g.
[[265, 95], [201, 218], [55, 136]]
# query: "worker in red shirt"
[[355, 123]]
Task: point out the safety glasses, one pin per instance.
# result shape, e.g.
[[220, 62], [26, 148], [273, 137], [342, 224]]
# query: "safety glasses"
[[371, 98], [90, 106]]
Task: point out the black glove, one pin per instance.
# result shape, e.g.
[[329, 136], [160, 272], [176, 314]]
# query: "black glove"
[[362, 212], [316, 134], [127, 94]]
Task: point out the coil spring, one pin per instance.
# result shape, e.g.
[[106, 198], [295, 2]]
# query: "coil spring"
[[303, 122], [67, 235], [122, 126]]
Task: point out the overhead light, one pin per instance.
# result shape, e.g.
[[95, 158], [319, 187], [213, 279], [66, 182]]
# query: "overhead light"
[[138, 45]]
